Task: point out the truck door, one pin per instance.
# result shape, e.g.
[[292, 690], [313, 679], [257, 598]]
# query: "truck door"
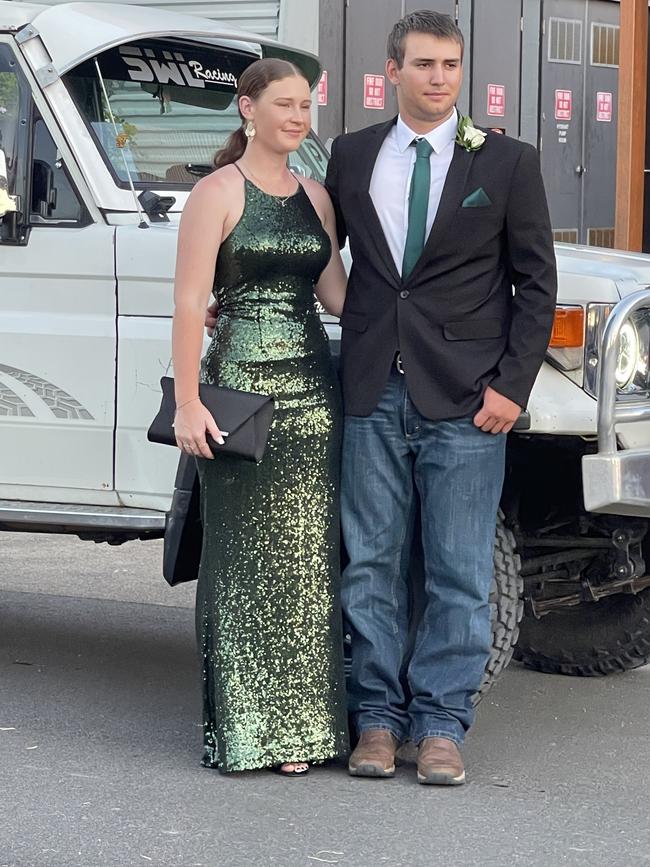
[[57, 311]]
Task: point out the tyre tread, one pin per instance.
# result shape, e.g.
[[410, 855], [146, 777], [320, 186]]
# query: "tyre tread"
[[630, 651], [506, 603]]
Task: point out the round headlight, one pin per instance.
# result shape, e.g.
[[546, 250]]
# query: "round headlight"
[[628, 355]]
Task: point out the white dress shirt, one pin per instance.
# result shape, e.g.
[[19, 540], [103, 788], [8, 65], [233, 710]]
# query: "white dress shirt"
[[391, 179]]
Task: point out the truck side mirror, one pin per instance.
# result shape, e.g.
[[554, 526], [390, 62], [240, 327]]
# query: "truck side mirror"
[[7, 202]]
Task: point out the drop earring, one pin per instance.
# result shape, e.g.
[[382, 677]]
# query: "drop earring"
[[250, 130]]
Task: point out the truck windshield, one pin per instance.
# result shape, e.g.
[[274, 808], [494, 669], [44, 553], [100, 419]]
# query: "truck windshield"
[[160, 109]]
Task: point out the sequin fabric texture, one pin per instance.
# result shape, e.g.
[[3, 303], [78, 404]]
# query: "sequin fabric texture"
[[267, 615]]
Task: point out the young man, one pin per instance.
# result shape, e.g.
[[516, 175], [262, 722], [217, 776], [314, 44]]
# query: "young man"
[[438, 358]]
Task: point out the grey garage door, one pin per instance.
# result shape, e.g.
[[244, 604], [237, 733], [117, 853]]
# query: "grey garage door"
[[496, 61], [367, 26], [579, 93]]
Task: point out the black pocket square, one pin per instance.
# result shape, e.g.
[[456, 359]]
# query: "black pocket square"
[[478, 199]]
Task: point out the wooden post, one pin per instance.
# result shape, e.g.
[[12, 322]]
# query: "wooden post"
[[630, 149]]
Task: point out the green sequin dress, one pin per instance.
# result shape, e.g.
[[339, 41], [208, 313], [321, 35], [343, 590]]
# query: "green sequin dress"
[[267, 613]]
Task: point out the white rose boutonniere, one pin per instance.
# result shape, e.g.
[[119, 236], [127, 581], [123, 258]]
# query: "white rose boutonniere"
[[468, 136]]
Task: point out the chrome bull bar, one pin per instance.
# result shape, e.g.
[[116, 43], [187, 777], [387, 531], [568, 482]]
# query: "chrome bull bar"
[[617, 481]]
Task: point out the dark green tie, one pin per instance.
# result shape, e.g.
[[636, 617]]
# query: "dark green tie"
[[418, 206]]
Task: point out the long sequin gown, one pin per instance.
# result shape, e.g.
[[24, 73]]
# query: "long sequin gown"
[[267, 614]]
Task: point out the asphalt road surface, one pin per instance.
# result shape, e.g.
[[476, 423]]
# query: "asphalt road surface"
[[99, 748]]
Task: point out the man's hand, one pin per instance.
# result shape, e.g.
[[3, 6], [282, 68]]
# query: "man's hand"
[[211, 318], [498, 413]]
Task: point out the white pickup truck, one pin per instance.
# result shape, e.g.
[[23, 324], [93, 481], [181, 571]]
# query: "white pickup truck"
[[108, 115]]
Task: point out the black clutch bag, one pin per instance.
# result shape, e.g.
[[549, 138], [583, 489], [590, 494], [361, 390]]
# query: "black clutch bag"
[[244, 416]]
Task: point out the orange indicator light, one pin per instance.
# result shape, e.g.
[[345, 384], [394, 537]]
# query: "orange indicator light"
[[568, 328]]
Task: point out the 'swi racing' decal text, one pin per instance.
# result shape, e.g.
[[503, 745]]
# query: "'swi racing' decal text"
[[171, 67]]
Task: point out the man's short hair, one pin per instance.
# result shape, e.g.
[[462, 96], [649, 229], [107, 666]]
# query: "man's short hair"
[[424, 21]]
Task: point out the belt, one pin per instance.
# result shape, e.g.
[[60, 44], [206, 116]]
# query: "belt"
[[398, 363]]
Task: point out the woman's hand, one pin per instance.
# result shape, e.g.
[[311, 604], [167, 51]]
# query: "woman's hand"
[[211, 318], [191, 422]]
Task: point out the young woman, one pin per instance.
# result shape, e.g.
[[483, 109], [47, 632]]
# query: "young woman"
[[267, 611]]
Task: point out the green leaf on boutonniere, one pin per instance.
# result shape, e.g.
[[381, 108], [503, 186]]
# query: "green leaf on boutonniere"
[[467, 136]]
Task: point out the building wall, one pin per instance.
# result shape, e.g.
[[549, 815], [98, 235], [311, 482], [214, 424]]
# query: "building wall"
[[292, 21], [299, 24]]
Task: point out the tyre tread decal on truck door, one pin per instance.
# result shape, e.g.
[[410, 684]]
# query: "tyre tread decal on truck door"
[[60, 403], [12, 404]]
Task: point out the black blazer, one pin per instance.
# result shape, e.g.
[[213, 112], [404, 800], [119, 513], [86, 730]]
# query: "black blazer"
[[455, 320]]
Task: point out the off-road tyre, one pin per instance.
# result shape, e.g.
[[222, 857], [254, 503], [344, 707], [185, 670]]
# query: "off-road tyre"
[[590, 640], [506, 605]]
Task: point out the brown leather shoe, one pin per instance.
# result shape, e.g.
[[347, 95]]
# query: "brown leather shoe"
[[440, 763], [374, 755]]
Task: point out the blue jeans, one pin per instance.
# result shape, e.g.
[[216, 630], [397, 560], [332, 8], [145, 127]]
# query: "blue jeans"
[[392, 459]]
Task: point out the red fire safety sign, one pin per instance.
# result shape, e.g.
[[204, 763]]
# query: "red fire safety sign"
[[374, 91], [604, 105], [496, 100], [563, 100], [322, 89]]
